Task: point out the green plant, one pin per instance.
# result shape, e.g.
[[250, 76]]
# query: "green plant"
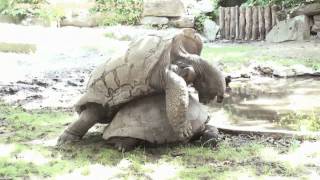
[[19, 9], [119, 11], [50, 14], [199, 21], [284, 3]]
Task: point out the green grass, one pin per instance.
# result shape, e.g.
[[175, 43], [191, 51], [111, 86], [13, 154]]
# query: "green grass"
[[17, 48], [227, 161], [234, 56], [301, 121]]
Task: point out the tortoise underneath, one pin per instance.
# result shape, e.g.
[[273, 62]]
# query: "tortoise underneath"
[[145, 121]]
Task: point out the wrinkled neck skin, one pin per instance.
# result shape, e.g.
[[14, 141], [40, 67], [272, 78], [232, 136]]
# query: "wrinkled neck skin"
[[210, 82]]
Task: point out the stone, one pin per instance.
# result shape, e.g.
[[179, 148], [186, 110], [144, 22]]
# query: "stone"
[[165, 8], [316, 25], [309, 10], [210, 29], [183, 21], [196, 8], [204, 6], [152, 20], [80, 18], [297, 28], [315, 28]]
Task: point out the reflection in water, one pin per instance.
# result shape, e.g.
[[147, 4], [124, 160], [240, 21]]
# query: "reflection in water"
[[268, 103]]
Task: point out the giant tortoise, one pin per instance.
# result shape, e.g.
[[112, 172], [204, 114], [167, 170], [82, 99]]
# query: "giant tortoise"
[[145, 121], [144, 70]]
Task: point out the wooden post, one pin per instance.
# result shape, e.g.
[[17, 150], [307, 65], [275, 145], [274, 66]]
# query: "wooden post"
[[242, 25], [227, 22], [222, 23], [233, 23], [248, 23], [255, 23], [262, 30], [274, 10], [267, 19], [237, 23]]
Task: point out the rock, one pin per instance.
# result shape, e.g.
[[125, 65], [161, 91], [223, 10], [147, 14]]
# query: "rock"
[[80, 19], [183, 21], [210, 29], [152, 20], [309, 10], [297, 28], [204, 6], [316, 25], [196, 8], [166, 8]]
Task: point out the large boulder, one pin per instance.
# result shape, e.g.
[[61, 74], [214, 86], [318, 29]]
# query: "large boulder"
[[183, 21], [210, 29], [297, 28], [166, 8], [309, 10], [194, 7], [153, 20]]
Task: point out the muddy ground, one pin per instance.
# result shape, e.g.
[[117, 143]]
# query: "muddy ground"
[[38, 89]]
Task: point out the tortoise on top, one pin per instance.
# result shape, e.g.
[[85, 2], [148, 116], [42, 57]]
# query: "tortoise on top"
[[143, 70]]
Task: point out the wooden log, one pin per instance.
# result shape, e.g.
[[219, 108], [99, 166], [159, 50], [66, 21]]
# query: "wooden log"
[[242, 22], [275, 134], [227, 23], [233, 23], [237, 22], [274, 10], [222, 23], [255, 23], [267, 19], [262, 30], [248, 23]]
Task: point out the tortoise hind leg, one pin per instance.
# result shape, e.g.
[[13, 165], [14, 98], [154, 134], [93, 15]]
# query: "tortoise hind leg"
[[210, 136]]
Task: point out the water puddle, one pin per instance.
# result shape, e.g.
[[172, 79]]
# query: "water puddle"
[[262, 103]]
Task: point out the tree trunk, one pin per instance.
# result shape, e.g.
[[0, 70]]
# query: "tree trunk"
[[255, 23], [267, 19], [242, 25], [237, 23], [248, 23], [262, 30], [274, 10], [227, 23], [222, 23], [233, 23]]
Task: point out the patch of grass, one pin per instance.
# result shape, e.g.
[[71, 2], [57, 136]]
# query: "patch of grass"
[[227, 161], [31, 125], [301, 121], [18, 48], [235, 56]]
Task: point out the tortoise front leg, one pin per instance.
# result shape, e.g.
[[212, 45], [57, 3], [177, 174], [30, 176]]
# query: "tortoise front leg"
[[177, 101], [92, 114]]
